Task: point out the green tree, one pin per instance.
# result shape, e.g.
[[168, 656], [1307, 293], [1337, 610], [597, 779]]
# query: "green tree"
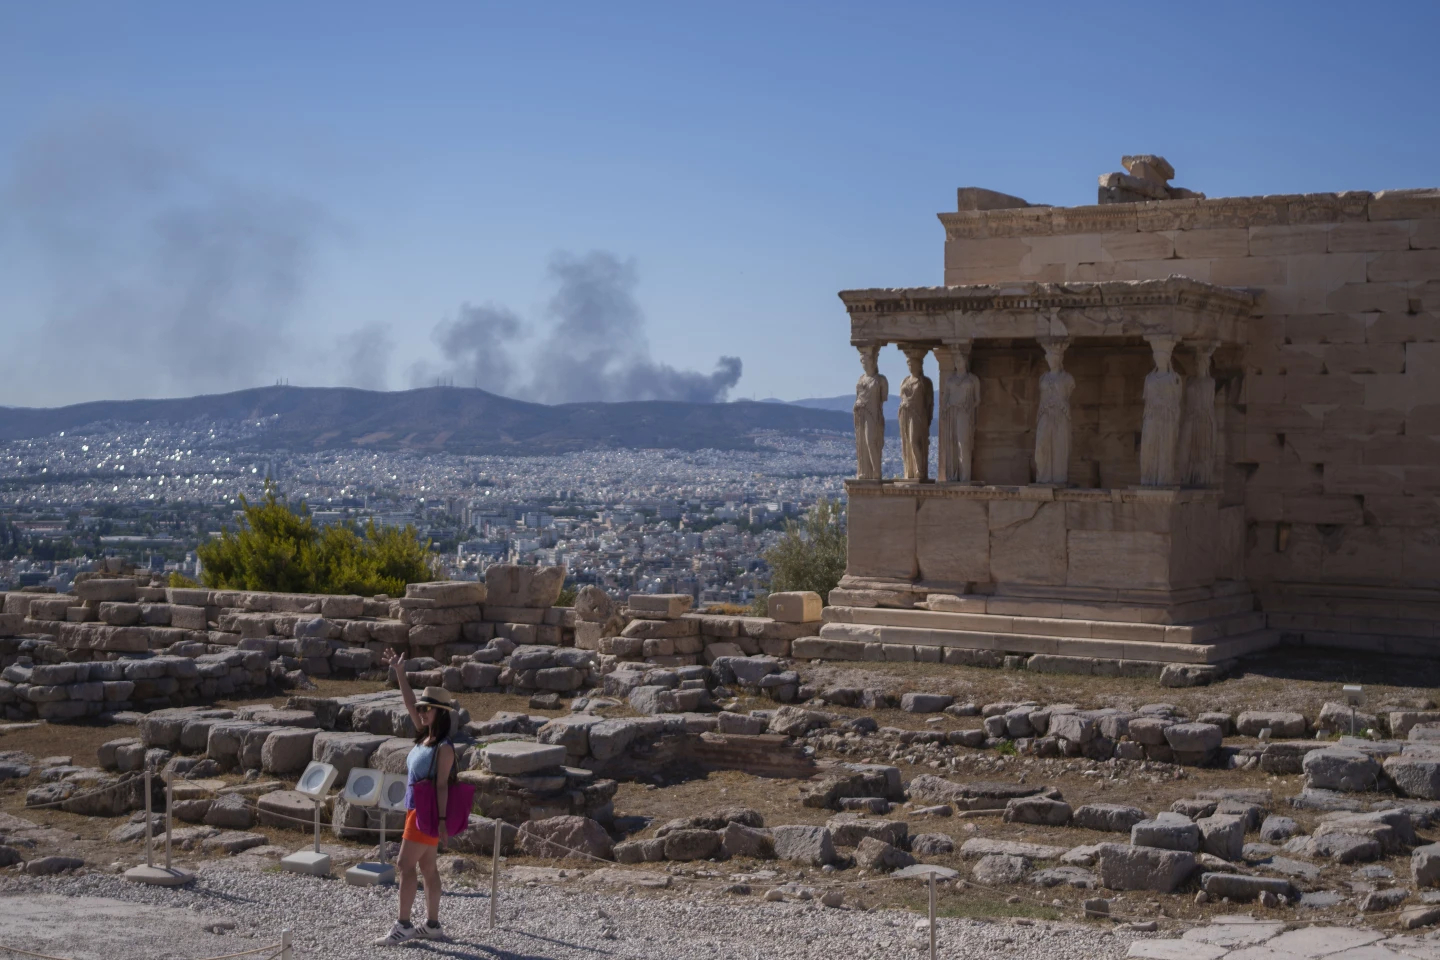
[[811, 554], [277, 548]]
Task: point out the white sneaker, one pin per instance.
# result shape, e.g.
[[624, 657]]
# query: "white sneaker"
[[399, 933], [431, 931]]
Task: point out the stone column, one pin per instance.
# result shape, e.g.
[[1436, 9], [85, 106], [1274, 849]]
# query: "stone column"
[[871, 392], [917, 409], [1199, 435], [959, 398], [1160, 430], [945, 453], [1052, 423]]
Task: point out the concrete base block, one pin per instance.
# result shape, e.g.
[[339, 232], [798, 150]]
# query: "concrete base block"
[[308, 862], [159, 876], [370, 874]]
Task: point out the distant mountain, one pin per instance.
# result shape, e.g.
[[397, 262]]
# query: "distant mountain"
[[846, 404], [451, 419]]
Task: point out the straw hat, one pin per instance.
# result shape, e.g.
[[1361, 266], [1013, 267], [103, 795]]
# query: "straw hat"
[[437, 697]]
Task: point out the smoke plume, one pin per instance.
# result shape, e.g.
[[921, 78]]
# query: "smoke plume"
[[162, 277], [365, 357], [476, 349], [592, 348]]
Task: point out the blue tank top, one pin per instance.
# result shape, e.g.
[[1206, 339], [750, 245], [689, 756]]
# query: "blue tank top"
[[422, 763]]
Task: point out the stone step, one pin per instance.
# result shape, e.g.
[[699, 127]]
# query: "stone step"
[[872, 641], [1359, 603], [1287, 622], [1168, 615], [1390, 644], [1205, 631], [1171, 612]]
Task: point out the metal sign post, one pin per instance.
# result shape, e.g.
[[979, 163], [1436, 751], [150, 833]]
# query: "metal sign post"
[[1352, 696], [166, 876], [930, 873], [494, 871], [169, 818], [932, 916], [149, 822], [314, 783]]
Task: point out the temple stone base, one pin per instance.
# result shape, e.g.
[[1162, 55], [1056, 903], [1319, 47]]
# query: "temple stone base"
[[880, 633], [1393, 621], [1151, 575]]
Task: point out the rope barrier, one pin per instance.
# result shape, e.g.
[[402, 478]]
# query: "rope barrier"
[[80, 796], [279, 949], [245, 953], [41, 956]]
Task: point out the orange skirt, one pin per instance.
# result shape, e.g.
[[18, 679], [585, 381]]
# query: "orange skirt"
[[413, 834]]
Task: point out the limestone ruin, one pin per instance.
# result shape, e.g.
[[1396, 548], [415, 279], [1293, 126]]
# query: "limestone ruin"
[[1186, 430]]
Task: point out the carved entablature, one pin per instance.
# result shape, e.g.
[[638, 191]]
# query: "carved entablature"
[[1176, 307]]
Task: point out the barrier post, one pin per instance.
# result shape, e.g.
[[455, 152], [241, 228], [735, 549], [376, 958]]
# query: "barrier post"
[[317, 826], [494, 871], [169, 820], [932, 916], [149, 822], [384, 815], [285, 951]]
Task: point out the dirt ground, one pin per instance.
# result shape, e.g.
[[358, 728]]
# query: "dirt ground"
[[1296, 680]]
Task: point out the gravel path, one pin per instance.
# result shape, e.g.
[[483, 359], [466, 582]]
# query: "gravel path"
[[103, 917]]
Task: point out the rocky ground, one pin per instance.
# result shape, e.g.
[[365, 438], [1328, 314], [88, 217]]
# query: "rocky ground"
[[233, 907], [1005, 899]]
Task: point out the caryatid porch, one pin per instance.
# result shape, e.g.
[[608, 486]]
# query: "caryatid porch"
[[1080, 460]]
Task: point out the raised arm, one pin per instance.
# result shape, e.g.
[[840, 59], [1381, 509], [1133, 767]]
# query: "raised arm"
[[392, 659]]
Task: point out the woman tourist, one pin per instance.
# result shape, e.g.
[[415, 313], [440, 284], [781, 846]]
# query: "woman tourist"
[[432, 758]]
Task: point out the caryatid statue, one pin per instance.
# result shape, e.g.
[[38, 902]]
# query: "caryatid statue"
[[959, 398], [871, 392], [1160, 429], [1052, 424], [1198, 430], [917, 408]]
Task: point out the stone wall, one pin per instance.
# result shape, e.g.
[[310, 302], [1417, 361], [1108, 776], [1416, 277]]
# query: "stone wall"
[[120, 643], [667, 634], [1331, 413]]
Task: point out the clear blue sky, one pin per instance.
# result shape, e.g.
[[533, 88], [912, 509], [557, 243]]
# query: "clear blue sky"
[[205, 196]]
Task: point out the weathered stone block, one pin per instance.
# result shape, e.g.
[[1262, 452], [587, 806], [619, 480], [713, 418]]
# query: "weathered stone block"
[[664, 606], [1222, 835], [517, 757], [1113, 817], [801, 606], [1037, 810], [287, 750], [514, 585], [1282, 725], [804, 844], [1339, 768], [1167, 831], [1123, 867]]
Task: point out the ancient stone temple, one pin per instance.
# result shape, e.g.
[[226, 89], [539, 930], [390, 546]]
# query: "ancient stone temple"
[[1170, 428]]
